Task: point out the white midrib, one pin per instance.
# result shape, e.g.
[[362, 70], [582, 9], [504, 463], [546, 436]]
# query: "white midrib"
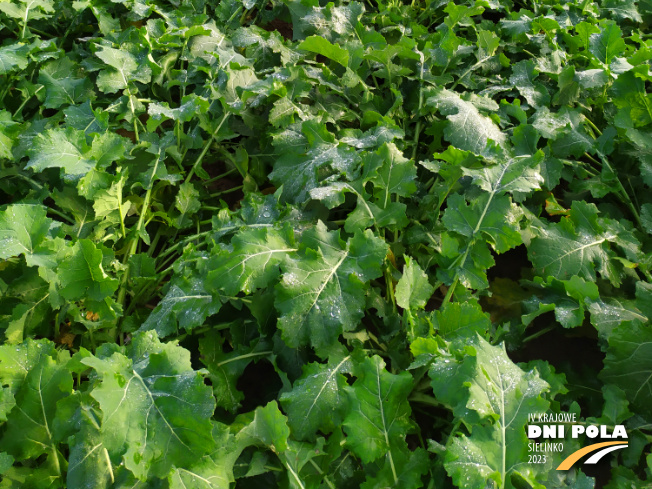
[[382, 417], [330, 376], [328, 279], [266, 252], [151, 398]]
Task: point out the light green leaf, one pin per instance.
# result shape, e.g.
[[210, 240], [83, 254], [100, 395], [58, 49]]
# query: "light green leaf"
[[306, 157], [64, 83], [320, 45], [523, 79], [468, 129], [15, 363], [13, 57], [28, 431], [413, 289], [186, 305], [379, 417], [502, 395], [25, 10], [81, 274], [577, 245], [391, 173], [254, 261], [459, 322], [495, 218], [59, 148], [608, 44], [212, 471], [88, 462], [109, 203], [317, 400], [518, 174], [187, 203], [124, 69], [156, 408], [269, 428], [591, 78], [23, 230], [322, 291]]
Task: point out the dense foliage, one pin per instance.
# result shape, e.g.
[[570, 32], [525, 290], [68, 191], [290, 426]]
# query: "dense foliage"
[[291, 243]]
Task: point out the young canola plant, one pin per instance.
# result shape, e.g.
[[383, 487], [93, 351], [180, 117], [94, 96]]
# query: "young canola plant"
[[310, 244]]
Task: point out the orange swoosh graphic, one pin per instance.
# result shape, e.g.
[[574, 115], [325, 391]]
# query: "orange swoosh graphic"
[[575, 456]]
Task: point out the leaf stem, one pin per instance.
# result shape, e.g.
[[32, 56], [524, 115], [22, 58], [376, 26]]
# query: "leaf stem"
[[469, 71], [417, 129], [207, 145], [18, 110], [321, 472], [228, 191], [621, 190]]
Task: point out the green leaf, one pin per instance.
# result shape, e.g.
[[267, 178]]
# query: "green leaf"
[[413, 289], [226, 368], [459, 322], [621, 10], [124, 68], [379, 415], [502, 396], [496, 218], [631, 97], [46, 381], [566, 297], [13, 57], [28, 9], [254, 261], [8, 132], [187, 203], [15, 364], [391, 173], [308, 156], [577, 245], [319, 45], [607, 44], [24, 229], [317, 401], [322, 292], [108, 203], [591, 78], [6, 461], [410, 467], [64, 83], [89, 461], [523, 79], [269, 427], [569, 88], [81, 274], [628, 364], [468, 129], [212, 471], [518, 174], [186, 305], [156, 409], [59, 148]]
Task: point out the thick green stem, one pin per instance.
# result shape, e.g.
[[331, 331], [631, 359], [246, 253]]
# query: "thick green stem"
[[122, 294]]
